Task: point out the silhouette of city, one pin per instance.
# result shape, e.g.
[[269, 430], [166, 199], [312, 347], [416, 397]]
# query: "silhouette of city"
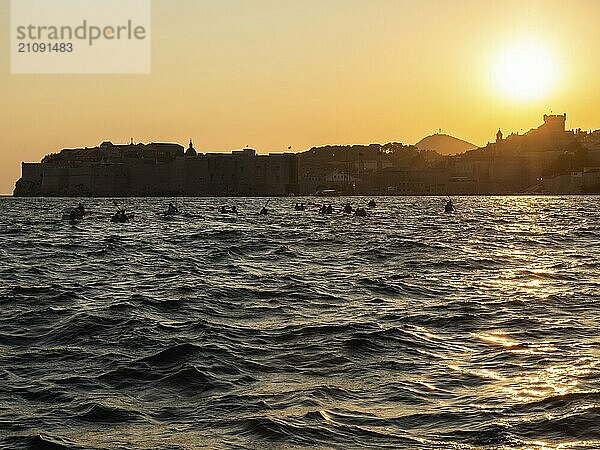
[[548, 159]]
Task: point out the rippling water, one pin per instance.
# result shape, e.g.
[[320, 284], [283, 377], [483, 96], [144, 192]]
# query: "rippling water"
[[410, 328]]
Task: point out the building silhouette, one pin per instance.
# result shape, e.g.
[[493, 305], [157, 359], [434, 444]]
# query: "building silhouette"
[[158, 169], [548, 158]]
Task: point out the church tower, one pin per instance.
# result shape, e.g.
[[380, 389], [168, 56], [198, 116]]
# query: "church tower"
[[499, 136]]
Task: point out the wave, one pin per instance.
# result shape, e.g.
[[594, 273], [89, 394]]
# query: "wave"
[[100, 413], [190, 381], [408, 329], [40, 442], [173, 355]]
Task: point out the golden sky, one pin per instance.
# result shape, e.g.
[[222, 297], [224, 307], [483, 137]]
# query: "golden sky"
[[274, 73]]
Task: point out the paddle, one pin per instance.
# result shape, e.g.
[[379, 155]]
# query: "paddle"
[[117, 205], [264, 208]]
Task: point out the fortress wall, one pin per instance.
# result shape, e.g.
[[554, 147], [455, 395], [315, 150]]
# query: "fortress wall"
[[151, 179], [276, 174], [241, 173], [103, 179], [195, 175], [31, 172], [80, 178], [55, 180], [178, 175]]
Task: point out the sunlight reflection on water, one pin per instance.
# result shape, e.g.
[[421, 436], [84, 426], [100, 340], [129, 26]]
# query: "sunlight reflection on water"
[[410, 328]]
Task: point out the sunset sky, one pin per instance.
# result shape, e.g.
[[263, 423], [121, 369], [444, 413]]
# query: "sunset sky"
[[273, 73]]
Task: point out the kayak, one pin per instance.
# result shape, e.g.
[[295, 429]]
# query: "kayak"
[[117, 219], [73, 217]]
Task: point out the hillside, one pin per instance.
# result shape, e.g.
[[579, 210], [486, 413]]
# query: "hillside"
[[445, 144]]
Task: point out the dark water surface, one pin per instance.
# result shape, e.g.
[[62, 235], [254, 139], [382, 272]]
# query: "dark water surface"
[[406, 329]]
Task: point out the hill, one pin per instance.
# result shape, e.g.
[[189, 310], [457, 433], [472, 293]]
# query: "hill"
[[445, 144]]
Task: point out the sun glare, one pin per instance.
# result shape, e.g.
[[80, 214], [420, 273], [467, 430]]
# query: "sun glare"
[[524, 71]]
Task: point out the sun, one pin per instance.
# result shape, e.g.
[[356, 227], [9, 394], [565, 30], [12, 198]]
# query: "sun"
[[524, 71]]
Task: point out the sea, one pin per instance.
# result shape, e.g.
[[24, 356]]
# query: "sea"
[[408, 328]]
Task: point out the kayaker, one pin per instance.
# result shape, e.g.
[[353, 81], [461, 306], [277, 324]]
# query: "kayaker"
[[172, 209]]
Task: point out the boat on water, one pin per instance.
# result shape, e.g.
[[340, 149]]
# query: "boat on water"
[[122, 217], [74, 215], [326, 209], [360, 212]]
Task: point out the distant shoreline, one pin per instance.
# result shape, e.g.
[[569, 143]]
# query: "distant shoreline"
[[586, 194]]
